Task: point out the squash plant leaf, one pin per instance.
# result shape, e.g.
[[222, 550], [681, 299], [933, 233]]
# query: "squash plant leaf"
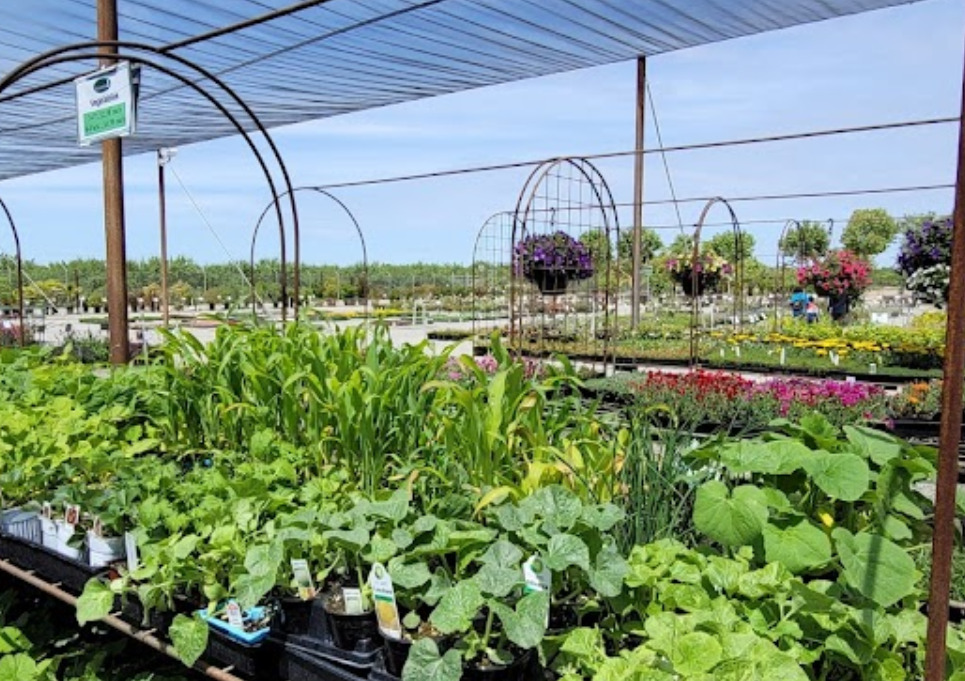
[[565, 550], [877, 568], [95, 603], [841, 475], [457, 608], [731, 519], [426, 664], [190, 638], [801, 547]]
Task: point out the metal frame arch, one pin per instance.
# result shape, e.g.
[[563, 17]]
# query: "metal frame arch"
[[739, 273], [342, 205], [19, 256], [611, 224], [59, 55], [780, 269], [475, 259]]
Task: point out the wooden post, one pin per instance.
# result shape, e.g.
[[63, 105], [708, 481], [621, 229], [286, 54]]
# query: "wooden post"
[[113, 169]]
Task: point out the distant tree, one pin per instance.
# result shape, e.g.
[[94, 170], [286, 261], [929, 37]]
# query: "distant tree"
[[869, 232], [650, 245], [806, 241], [725, 245], [599, 246]]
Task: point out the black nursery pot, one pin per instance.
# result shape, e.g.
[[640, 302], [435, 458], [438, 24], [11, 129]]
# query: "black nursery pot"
[[519, 670], [353, 632], [294, 615], [395, 652]]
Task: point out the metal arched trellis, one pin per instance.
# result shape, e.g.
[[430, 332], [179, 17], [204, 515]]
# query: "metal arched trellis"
[[491, 273], [345, 209], [19, 255], [696, 287], [781, 261], [563, 251], [64, 54]]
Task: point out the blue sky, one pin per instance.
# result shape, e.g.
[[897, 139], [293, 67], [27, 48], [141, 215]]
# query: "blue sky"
[[891, 65]]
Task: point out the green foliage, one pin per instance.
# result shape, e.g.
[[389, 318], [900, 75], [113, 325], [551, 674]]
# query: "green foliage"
[[806, 241], [869, 232], [727, 245]]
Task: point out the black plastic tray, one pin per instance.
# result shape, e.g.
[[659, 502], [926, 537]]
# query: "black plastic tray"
[[71, 574], [300, 666], [378, 673], [252, 661], [317, 642]]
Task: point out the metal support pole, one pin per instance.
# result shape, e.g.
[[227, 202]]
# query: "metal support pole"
[[113, 165], [953, 378], [638, 191], [164, 157]]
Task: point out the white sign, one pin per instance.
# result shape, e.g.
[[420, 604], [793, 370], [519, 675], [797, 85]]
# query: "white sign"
[[106, 103]]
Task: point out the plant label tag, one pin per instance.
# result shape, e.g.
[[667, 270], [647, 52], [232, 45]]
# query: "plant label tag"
[[783, 356], [303, 579], [235, 620], [536, 575], [833, 356], [386, 608], [130, 547], [97, 527], [46, 511], [72, 514], [737, 350], [353, 601], [849, 379]]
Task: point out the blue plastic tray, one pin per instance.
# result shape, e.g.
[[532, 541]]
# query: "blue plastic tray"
[[250, 638]]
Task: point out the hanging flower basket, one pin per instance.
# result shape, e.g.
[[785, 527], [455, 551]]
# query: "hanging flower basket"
[[551, 282], [704, 281], [552, 261], [711, 269]]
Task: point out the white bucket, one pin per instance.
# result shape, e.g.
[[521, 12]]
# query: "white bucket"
[[102, 551]]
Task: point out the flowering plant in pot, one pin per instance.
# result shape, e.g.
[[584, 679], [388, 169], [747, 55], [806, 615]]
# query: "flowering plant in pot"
[[925, 259], [840, 274], [711, 269], [552, 261]]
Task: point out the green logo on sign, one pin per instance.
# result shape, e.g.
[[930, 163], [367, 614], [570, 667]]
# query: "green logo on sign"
[[102, 84]]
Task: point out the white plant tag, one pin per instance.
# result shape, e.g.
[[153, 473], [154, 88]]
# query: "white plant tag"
[[386, 608], [46, 511], [352, 598], [235, 620], [849, 379], [130, 547], [536, 575], [303, 579], [97, 527], [783, 356]]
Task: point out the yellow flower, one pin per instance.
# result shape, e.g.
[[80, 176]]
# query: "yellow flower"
[[826, 519]]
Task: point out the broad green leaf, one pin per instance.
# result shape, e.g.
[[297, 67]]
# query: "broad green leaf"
[[18, 667], [250, 589], [873, 444], [840, 475], [12, 640], [264, 559], [584, 642], [502, 553], [380, 550], [560, 507], [879, 569], [695, 653], [408, 575], [426, 664], [394, 508], [609, 571], [777, 457], [95, 603], [457, 608], [402, 538], [603, 517], [564, 550], [730, 519], [498, 581], [800, 548], [190, 638], [526, 625]]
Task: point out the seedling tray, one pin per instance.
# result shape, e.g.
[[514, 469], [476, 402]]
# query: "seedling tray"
[[72, 575], [248, 638], [250, 660], [378, 673]]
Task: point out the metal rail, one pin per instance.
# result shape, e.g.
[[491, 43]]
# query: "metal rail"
[[146, 637]]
